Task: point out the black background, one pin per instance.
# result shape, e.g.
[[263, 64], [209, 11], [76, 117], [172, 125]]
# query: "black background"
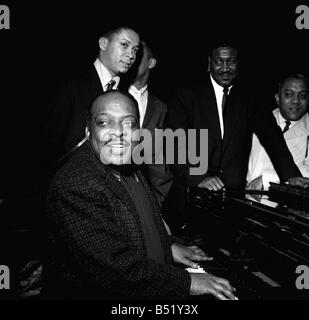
[[52, 40]]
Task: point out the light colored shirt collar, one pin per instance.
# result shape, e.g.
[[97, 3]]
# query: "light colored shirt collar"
[[282, 122], [139, 91], [104, 75], [217, 87]]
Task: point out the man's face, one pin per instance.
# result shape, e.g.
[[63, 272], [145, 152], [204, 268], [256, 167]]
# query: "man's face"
[[223, 65], [293, 99], [145, 63], [113, 129], [119, 52]]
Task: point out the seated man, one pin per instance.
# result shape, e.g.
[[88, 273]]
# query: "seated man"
[[106, 235], [291, 115]]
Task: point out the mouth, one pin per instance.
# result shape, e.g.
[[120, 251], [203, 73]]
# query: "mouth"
[[126, 64], [117, 145]]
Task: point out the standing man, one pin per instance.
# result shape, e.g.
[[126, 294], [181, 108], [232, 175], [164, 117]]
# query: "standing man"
[[65, 128], [152, 113], [230, 115], [292, 117]]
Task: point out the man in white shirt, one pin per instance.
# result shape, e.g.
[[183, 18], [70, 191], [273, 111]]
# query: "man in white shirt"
[[152, 113], [292, 117], [65, 127]]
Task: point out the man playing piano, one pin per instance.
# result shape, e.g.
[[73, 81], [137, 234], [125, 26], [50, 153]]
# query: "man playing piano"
[[106, 235]]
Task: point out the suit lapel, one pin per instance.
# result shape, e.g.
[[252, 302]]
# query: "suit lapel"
[[112, 182], [149, 111], [95, 86], [210, 113], [233, 113]]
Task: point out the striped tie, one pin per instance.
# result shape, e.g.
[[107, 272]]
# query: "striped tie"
[[110, 85]]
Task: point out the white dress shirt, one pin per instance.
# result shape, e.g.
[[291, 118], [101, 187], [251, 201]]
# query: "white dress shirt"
[[297, 139], [219, 96], [104, 75], [141, 96]]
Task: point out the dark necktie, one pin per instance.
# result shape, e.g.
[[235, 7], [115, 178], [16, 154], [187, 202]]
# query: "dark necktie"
[[224, 98], [110, 85], [286, 128]]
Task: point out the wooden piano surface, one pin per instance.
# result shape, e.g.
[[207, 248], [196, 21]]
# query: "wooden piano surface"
[[257, 240]]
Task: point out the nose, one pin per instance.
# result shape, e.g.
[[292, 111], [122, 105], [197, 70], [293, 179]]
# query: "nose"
[[225, 66], [117, 130], [296, 98], [131, 54]]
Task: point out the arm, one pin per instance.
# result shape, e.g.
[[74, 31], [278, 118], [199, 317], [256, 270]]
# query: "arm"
[[104, 251]]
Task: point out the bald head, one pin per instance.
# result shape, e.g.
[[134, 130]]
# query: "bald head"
[[113, 119], [110, 100]]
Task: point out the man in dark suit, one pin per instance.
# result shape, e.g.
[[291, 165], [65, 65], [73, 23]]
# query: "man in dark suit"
[[152, 112], [66, 121], [231, 116], [107, 239]]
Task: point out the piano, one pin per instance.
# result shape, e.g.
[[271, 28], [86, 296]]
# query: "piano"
[[257, 238]]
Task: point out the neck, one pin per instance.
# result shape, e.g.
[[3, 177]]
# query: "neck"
[[141, 82]]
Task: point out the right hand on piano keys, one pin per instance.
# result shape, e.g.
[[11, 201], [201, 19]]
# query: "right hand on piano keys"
[[206, 283]]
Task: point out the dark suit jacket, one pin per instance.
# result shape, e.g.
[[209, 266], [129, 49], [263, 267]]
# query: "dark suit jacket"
[[159, 175], [66, 119], [195, 107], [97, 244]]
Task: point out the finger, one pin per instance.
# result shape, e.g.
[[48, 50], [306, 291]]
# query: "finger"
[[216, 184], [222, 281], [189, 263], [219, 181], [224, 291], [217, 294]]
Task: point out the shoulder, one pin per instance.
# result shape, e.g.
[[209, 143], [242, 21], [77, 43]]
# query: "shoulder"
[[154, 100], [79, 172]]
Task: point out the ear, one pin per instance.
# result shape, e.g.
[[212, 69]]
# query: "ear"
[[103, 42], [277, 98], [87, 132], [152, 63], [208, 67]]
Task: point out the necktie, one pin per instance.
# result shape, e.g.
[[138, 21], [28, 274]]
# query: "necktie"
[[286, 128], [110, 85], [224, 98]]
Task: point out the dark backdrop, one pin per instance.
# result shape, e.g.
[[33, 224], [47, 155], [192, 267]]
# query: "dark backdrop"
[[52, 40]]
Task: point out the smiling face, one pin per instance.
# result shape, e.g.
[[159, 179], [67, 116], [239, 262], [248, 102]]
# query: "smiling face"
[[293, 98], [223, 65], [118, 52], [112, 128]]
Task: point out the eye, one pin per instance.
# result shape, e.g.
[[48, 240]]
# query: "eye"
[[103, 123], [288, 94], [304, 96], [135, 50], [218, 62], [129, 123], [125, 45]]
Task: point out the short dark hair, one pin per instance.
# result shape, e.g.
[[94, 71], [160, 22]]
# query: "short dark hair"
[[111, 32], [297, 76], [106, 93], [222, 43]]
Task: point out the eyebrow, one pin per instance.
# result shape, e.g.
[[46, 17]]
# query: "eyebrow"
[[110, 115]]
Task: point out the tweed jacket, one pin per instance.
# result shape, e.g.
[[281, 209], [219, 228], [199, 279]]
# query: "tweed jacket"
[[96, 239]]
